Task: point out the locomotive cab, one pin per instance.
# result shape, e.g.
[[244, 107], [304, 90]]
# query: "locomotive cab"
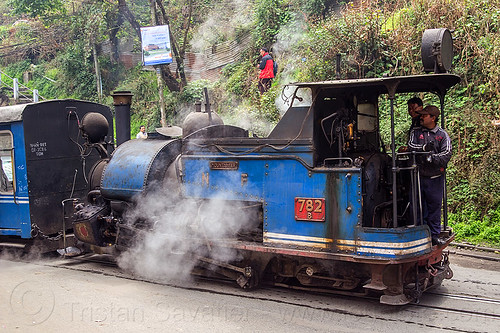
[[342, 122]]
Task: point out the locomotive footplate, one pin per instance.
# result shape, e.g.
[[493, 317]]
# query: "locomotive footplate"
[[396, 281], [435, 253]]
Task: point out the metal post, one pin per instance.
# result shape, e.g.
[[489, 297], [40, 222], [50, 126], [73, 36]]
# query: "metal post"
[[35, 95], [337, 71], [445, 190], [394, 169], [15, 85], [207, 106], [159, 80], [415, 189], [420, 208]]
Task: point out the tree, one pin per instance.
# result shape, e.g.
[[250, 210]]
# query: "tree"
[[166, 73], [114, 21], [35, 8], [179, 53]]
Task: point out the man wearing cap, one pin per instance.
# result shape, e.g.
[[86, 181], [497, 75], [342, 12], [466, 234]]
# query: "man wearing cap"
[[429, 137]]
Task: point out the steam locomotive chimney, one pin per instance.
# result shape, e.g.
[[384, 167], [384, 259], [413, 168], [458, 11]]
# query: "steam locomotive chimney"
[[122, 101]]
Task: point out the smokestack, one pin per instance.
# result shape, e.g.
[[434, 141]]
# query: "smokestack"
[[122, 101]]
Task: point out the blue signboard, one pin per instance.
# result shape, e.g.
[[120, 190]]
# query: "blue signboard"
[[156, 48]]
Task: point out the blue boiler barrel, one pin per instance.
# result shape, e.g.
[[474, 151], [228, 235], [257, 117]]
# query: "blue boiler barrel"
[[136, 165]]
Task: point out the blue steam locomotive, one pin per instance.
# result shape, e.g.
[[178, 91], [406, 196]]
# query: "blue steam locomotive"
[[317, 203]]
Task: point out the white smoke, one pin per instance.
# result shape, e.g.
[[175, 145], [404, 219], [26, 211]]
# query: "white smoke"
[[286, 52], [182, 111], [183, 231], [289, 37], [222, 24], [10, 254], [249, 118]]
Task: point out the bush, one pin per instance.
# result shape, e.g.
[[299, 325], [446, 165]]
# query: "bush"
[[472, 226]]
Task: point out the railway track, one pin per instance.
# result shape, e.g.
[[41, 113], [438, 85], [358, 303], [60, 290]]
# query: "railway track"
[[470, 305], [460, 308]]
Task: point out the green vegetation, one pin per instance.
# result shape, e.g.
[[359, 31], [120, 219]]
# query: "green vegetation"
[[35, 8], [58, 42]]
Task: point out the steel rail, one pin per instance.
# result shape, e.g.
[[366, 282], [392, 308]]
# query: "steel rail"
[[276, 299]]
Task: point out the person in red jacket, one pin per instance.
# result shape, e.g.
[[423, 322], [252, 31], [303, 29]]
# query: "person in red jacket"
[[266, 67]]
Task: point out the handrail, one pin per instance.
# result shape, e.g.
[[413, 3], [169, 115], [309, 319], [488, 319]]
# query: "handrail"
[[34, 92]]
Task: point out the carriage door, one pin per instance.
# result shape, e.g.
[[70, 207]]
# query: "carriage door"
[[14, 203]]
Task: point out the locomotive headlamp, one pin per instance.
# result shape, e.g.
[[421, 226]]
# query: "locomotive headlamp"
[[437, 50], [94, 127]]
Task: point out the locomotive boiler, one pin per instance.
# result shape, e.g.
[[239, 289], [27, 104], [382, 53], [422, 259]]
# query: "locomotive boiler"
[[319, 202]]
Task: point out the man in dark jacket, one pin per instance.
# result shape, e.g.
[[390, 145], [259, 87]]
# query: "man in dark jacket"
[[429, 137], [266, 67], [415, 105]]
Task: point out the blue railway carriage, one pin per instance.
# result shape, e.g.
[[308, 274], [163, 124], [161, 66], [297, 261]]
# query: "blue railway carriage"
[[325, 205], [41, 165]]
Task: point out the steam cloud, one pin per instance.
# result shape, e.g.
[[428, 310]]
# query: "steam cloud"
[[182, 231], [222, 23]]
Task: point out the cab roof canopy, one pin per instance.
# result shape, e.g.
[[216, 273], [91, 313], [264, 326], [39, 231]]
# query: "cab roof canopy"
[[434, 83]]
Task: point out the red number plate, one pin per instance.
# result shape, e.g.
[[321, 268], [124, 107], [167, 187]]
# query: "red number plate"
[[310, 209]]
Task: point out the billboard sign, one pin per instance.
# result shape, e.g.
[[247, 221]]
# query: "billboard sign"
[[156, 48]]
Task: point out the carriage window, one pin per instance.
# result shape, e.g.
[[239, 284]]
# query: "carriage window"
[[6, 156]]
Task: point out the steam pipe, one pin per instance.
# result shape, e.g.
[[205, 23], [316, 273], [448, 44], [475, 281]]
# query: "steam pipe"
[[122, 101], [207, 106], [415, 191], [391, 89]]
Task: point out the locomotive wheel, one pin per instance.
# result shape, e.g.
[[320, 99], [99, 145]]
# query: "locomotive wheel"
[[249, 280]]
